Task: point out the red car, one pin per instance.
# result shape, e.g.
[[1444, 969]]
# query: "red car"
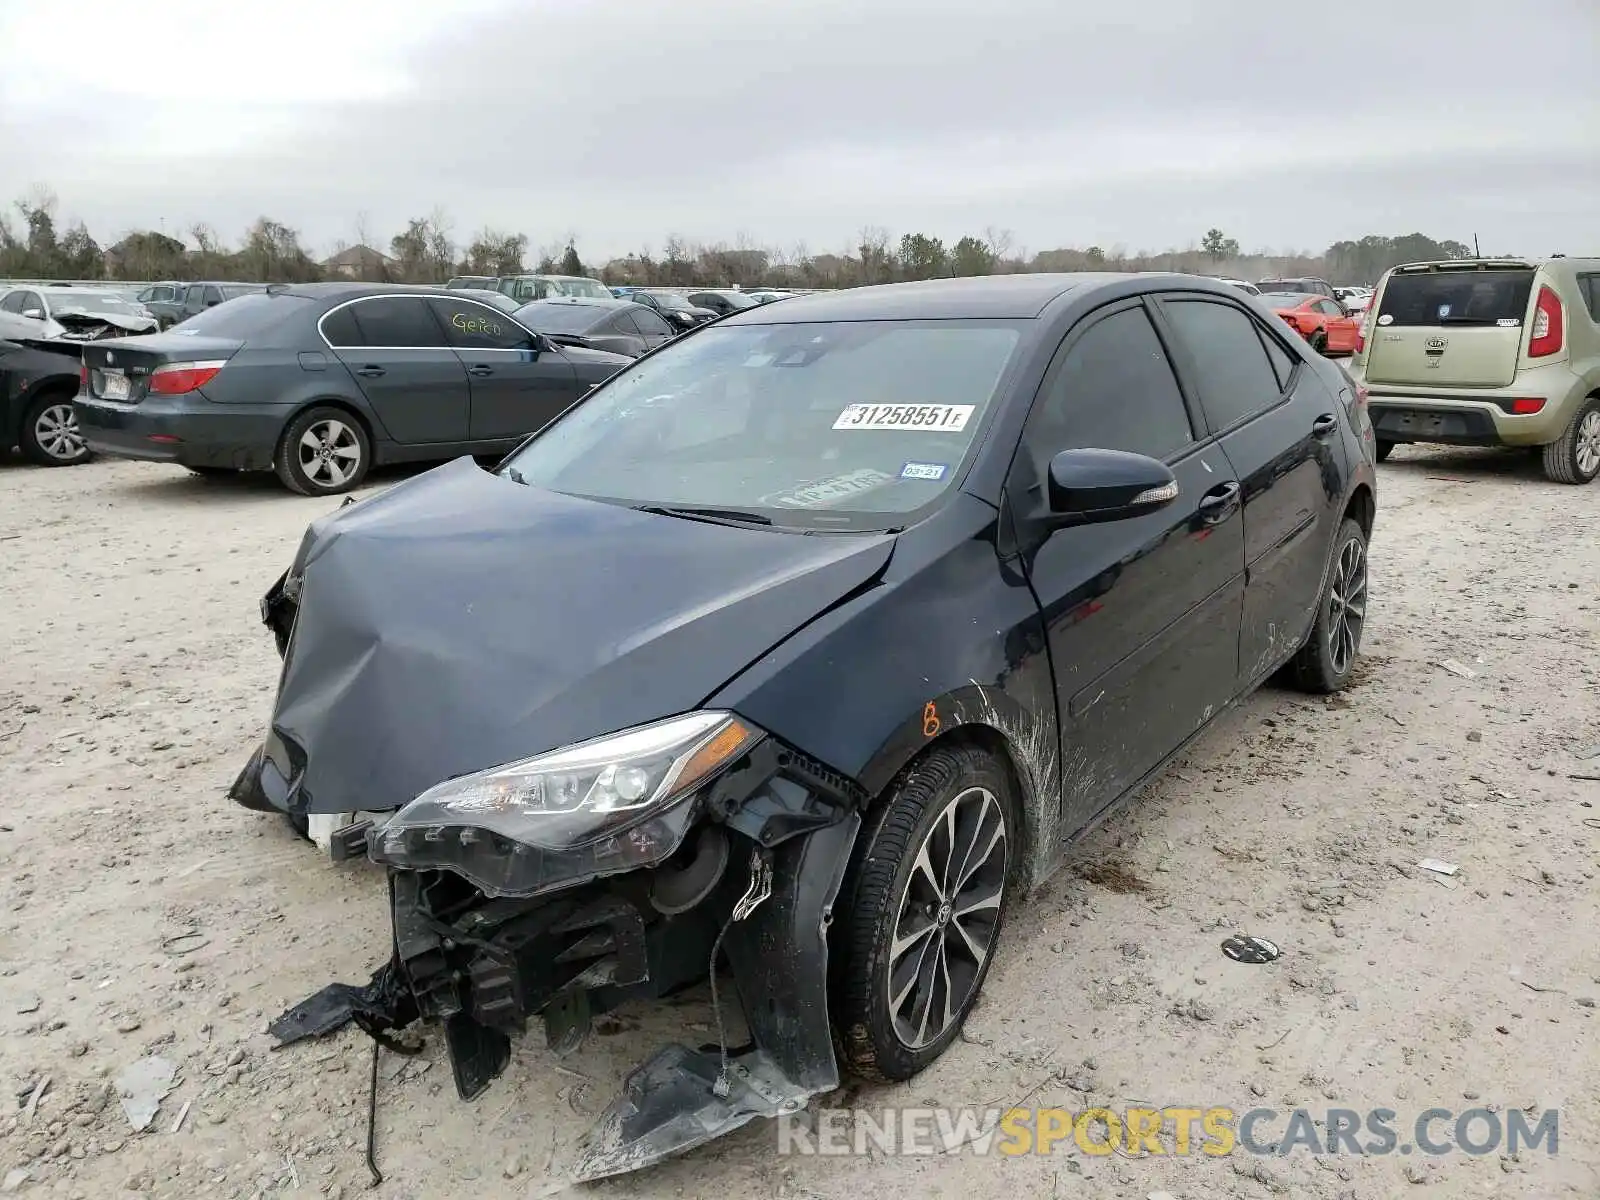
[[1317, 319]]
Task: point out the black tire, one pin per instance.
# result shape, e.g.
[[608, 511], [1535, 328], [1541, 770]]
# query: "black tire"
[[1384, 449], [1574, 457], [298, 823], [49, 435], [1319, 341], [884, 884], [334, 473], [1328, 658]]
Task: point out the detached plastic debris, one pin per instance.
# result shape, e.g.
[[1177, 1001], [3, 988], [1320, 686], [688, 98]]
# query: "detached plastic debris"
[[1438, 866], [142, 1086], [1455, 668], [1251, 950], [384, 1004]]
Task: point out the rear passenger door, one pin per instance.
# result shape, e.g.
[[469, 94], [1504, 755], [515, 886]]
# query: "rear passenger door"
[[519, 382], [1142, 615], [1278, 424], [413, 381]]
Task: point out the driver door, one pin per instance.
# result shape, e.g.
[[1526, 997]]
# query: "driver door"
[[1142, 615]]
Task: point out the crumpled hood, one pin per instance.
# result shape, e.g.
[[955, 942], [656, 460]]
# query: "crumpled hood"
[[459, 621]]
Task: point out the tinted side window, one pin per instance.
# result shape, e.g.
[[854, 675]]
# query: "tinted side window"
[[12, 303], [1115, 390], [1231, 366], [1329, 308], [340, 327], [213, 295], [397, 322], [1283, 362], [1590, 284], [472, 326], [194, 298], [651, 324]]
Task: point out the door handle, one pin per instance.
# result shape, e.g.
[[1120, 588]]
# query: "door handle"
[[480, 369], [371, 371], [1219, 503], [1324, 425]]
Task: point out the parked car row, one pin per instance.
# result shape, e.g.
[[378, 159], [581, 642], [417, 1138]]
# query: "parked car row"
[[175, 302]]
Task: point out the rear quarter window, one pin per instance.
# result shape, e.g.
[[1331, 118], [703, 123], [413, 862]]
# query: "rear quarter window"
[[1456, 297]]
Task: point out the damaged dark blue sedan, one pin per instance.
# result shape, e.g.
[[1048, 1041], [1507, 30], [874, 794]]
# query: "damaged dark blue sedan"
[[796, 653]]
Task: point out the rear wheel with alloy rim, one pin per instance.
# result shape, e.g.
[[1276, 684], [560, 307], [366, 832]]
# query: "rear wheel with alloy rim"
[[50, 433], [323, 452], [1574, 457], [921, 911], [1327, 660]]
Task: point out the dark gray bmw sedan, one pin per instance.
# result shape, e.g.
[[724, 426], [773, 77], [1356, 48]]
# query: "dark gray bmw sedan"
[[320, 382]]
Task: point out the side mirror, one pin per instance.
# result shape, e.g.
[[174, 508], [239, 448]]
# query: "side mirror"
[[212, 303], [1088, 487], [34, 314]]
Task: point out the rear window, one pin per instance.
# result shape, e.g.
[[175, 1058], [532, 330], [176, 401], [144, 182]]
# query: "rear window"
[[244, 316], [1496, 297], [545, 317]]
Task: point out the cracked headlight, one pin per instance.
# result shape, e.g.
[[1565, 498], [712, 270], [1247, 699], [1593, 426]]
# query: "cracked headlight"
[[594, 808]]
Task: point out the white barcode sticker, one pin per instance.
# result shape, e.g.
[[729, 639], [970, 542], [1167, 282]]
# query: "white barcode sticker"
[[928, 418]]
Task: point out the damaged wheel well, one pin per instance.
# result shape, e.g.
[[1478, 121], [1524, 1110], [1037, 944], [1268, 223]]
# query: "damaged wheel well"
[[1362, 509], [994, 743]]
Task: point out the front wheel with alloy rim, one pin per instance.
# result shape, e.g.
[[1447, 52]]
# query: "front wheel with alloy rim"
[[50, 433], [323, 452], [1574, 457], [921, 910], [1327, 660]]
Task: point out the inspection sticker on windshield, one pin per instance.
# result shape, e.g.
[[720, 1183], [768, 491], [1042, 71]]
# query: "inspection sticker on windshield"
[[943, 418], [823, 492], [922, 471]]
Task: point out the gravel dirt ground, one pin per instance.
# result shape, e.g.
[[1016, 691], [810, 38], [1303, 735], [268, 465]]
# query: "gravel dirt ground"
[[142, 913]]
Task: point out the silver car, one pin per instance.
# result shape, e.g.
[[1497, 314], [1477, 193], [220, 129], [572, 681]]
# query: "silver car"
[[73, 314]]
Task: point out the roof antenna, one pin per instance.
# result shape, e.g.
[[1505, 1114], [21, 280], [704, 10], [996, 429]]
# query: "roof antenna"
[[1475, 253]]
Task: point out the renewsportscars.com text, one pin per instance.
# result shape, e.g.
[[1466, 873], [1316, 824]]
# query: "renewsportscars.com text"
[[1214, 1131]]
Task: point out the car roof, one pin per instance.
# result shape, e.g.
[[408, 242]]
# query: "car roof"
[[585, 302], [1001, 296], [346, 290], [1469, 264]]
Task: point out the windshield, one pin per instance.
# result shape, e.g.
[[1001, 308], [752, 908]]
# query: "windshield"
[[89, 302], [591, 288], [1472, 297], [549, 316], [845, 425]]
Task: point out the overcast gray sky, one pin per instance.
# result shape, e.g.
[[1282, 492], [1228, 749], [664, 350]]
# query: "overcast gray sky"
[[624, 121]]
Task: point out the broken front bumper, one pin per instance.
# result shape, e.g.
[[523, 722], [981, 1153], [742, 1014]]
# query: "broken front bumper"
[[753, 883]]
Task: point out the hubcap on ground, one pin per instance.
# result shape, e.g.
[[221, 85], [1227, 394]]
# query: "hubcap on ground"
[[1588, 448], [1347, 604], [329, 453], [57, 432], [949, 914]]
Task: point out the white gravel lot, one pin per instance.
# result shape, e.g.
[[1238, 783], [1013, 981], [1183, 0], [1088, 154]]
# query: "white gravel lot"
[[136, 679]]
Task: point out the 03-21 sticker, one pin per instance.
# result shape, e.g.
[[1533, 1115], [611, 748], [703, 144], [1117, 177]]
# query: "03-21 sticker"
[[930, 418]]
